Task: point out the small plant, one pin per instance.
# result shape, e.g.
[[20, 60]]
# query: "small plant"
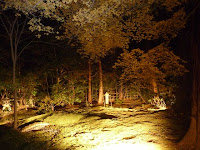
[[62, 93], [6, 106], [158, 102], [46, 104]]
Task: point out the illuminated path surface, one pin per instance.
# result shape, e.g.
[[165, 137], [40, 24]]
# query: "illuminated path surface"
[[103, 128], [119, 128]]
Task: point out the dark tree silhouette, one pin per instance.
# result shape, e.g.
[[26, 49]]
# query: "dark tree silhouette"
[[192, 138]]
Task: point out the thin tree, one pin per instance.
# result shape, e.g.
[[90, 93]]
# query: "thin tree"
[[14, 25], [89, 82]]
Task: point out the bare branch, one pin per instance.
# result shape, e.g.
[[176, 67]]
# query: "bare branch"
[[24, 48], [37, 3], [48, 43], [22, 30], [12, 48], [1, 35], [13, 24], [24, 39], [4, 25], [16, 30], [7, 20]]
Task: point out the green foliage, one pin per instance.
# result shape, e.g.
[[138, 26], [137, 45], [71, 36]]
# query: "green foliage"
[[6, 89], [119, 101], [63, 94], [147, 94], [28, 87], [169, 97], [59, 94], [101, 27], [6, 85], [46, 104], [70, 87]]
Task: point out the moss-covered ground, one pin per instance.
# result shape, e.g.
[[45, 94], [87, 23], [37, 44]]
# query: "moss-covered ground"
[[95, 128]]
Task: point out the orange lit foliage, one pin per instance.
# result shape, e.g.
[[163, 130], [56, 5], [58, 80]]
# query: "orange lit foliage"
[[103, 25], [99, 31], [158, 63], [108, 24]]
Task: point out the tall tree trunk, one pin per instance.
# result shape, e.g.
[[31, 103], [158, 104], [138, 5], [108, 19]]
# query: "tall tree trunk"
[[121, 92], [89, 82], [192, 138], [13, 48], [15, 95], [155, 86], [47, 86], [73, 93], [14, 30], [73, 96], [100, 101]]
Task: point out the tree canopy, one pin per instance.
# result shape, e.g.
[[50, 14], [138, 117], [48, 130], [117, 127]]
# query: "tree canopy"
[[159, 63], [101, 27]]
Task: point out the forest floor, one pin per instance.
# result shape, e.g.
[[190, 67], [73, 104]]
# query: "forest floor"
[[95, 128]]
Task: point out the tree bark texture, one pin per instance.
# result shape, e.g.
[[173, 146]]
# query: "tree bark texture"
[[100, 101]]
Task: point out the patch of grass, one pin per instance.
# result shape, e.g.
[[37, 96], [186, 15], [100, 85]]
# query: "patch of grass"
[[63, 119], [36, 118]]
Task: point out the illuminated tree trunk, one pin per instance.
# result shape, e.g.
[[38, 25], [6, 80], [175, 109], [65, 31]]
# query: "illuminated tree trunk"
[[47, 86], [155, 87], [73, 96], [100, 101], [74, 92], [89, 83], [192, 138], [121, 92]]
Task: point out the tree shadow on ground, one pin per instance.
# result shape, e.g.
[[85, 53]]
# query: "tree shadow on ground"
[[101, 115], [11, 139]]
